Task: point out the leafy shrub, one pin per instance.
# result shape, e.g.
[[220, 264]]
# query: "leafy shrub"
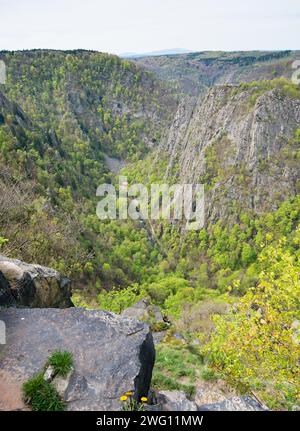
[[253, 345], [3, 241], [161, 289], [283, 84], [118, 300]]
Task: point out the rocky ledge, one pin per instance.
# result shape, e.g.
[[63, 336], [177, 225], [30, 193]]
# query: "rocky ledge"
[[28, 285], [112, 355]]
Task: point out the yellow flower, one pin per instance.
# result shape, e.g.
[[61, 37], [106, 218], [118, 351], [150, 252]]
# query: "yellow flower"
[[123, 398], [129, 393], [144, 399]]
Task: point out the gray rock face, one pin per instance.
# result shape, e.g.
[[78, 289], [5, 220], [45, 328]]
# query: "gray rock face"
[[6, 297], [112, 355], [144, 310], [238, 142], [177, 401], [245, 404], [158, 336], [210, 395], [23, 284], [151, 314], [174, 401], [62, 384]]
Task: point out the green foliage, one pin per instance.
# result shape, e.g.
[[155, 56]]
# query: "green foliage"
[[41, 395], [208, 374], [164, 288], [254, 346], [62, 362], [257, 88], [42, 82], [73, 111], [169, 292], [227, 257], [117, 300], [297, 136], [176, 367], [78, 107], [3, 241], [131, 405]]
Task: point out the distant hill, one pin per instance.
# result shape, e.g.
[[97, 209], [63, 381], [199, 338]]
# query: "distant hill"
[[193, 73], [172, 51]]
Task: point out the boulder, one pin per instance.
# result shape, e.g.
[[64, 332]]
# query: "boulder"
[[215, 391], [158, 336], [62, 383], [174, 401], [112, 355], [145, 311], [244, 403], [204, 396], [49, 373], [30, 285], [6, 297]]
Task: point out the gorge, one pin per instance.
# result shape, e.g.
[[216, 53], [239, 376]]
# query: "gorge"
[[72, 120]]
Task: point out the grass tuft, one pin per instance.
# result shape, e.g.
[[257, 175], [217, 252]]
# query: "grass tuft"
[[208, 374], [41, 395], [61, 362]]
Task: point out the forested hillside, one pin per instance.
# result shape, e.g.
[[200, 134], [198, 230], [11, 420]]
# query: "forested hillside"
[[61, 115], [194, 72], [242, 143], [229, 293]]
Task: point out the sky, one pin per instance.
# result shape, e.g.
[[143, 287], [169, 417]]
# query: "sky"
[[118, 26]]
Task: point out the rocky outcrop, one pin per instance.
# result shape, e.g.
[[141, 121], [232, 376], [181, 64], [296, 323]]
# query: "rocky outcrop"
[[147, 312], [29, 285], [166, 401], [242, 404], [112, 355], [175, 401], [143, 310], [239, 142], [6, 296], [60, 383]]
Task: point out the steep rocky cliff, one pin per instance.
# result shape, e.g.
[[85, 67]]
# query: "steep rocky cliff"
[[240, 142]]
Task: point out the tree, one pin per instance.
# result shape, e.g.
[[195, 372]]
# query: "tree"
[[254, 345]]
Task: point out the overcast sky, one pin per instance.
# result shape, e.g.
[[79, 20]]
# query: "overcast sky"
[[119, 26]]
